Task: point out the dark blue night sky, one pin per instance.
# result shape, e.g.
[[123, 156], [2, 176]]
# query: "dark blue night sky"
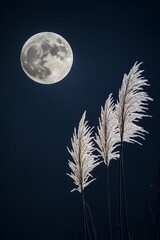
[[37, 121]]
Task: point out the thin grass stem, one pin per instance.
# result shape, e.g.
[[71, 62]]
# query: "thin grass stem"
[[120, 199], [124, 194], [92, 222], [86, 225], [108, 201]]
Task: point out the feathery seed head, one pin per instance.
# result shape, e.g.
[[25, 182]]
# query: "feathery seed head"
[[108, 137], [84, 161], [132, 105]]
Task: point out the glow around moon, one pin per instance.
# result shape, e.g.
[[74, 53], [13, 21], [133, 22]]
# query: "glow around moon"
[[46, 57]]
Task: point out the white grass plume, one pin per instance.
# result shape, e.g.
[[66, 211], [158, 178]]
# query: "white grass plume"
[[84, 161], [108, 136], [132, 105]]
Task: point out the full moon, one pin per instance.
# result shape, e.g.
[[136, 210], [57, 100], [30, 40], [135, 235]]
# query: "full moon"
[[46, 57]]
